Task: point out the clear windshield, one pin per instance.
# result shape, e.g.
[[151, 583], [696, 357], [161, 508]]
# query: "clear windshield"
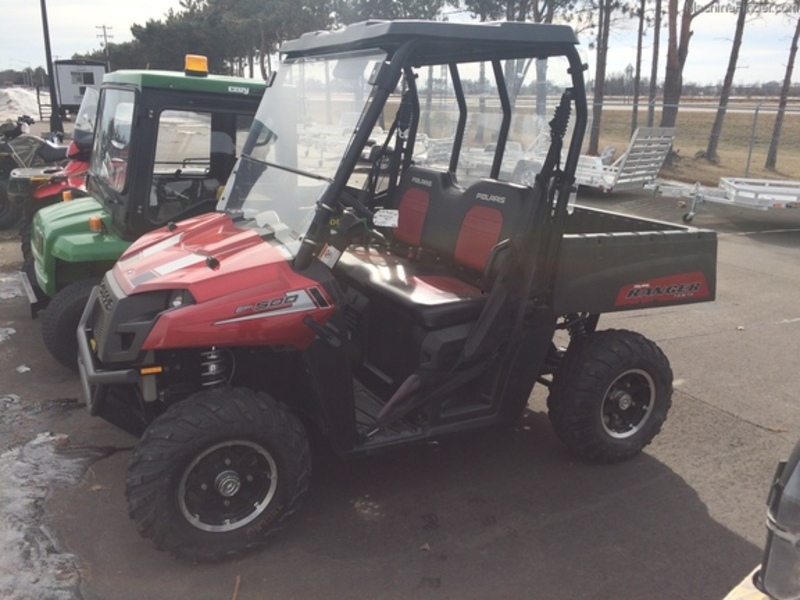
[[84, 120], [109, 162], [302, 130]]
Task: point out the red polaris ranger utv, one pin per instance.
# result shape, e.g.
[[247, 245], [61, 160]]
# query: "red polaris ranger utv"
[[358, 280]]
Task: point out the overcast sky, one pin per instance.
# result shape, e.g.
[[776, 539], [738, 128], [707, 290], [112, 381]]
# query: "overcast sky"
[[75, 27]]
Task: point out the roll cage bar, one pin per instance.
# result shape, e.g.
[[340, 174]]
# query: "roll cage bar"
[[416, 52]]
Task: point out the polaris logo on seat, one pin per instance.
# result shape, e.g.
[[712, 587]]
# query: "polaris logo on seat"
[[490, 198], [420, 181], [239, 89]]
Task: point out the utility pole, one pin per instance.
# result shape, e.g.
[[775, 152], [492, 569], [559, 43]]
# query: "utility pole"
[[105, 37], [56, 124]]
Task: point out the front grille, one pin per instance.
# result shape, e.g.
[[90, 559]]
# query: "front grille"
[[106, 299], [102, 313], [120, 323], [98, 323]]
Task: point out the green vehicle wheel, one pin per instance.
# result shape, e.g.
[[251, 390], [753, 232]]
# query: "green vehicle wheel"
[[60, 322]]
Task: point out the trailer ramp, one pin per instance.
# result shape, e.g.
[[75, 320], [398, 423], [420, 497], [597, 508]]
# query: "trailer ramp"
[[639, 165]]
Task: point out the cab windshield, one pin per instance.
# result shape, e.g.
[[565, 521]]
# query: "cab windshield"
[[83, 131], [302, 129], [109, 163]]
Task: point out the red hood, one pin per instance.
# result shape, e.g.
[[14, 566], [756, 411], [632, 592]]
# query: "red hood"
[[208, 255]]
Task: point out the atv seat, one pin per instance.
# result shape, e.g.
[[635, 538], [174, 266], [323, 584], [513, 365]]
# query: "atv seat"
[[436, 268], [51, 153]]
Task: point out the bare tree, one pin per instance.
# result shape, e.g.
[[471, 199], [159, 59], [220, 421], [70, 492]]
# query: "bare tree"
[[725, 93], [677, 52], [604, 8], [772, 153], [537, 11], [637, 78], [651, 98]]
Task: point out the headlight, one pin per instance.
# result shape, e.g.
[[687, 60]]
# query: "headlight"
[[179, 299]]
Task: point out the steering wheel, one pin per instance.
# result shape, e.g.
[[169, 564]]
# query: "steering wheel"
[[348, 199], [165, 192]]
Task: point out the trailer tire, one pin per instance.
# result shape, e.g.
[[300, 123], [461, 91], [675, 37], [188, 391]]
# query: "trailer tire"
[[60, 321], [610, 395], [217, 473]]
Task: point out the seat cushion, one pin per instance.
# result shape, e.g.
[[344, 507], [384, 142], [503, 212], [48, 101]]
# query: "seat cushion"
[[426, 293]]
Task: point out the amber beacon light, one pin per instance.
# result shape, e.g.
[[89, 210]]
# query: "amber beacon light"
[[196, 65]]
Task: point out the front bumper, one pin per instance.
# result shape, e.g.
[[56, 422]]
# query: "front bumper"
[[95, 380], [34, 299]]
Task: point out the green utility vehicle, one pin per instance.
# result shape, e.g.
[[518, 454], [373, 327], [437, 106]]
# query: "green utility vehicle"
[[164, 145]]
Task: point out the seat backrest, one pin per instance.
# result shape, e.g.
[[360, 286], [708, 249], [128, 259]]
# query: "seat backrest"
[[492, 212], [457, 224], [414, 194]]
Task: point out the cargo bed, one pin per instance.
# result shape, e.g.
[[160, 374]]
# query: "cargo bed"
[[612, 262]]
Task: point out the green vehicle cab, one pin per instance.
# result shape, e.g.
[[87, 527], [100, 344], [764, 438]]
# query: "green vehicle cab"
[[164, 146]]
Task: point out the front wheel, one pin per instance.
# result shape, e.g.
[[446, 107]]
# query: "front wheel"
[[217, 473], [610, 395], [60, 321], [9, 213]]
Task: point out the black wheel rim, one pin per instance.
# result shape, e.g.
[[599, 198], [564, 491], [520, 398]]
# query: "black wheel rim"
[[628, 404], [227, 486]]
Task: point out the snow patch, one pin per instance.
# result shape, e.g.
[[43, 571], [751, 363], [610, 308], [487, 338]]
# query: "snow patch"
[[10, 286], [18, 101], [6, 333], [31, 565]]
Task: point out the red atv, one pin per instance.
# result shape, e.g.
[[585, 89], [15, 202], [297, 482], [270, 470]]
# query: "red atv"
[[32, 188], [354, 282], [20, 149]]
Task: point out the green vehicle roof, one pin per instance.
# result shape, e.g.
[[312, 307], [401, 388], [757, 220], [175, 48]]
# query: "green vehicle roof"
[[176, 80]]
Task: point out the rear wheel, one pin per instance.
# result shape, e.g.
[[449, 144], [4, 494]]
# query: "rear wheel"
[[610, 395], [60, 321], [217, 473]]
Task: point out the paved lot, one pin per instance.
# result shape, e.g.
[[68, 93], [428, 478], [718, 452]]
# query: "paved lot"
[[489, 515]]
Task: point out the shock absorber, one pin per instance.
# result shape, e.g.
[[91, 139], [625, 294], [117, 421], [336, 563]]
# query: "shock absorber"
[[214, 367]]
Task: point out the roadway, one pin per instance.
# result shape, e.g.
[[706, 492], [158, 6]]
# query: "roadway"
[[492, 514]]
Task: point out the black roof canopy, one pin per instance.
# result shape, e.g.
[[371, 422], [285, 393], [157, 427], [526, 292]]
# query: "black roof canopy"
[[440, 42]]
